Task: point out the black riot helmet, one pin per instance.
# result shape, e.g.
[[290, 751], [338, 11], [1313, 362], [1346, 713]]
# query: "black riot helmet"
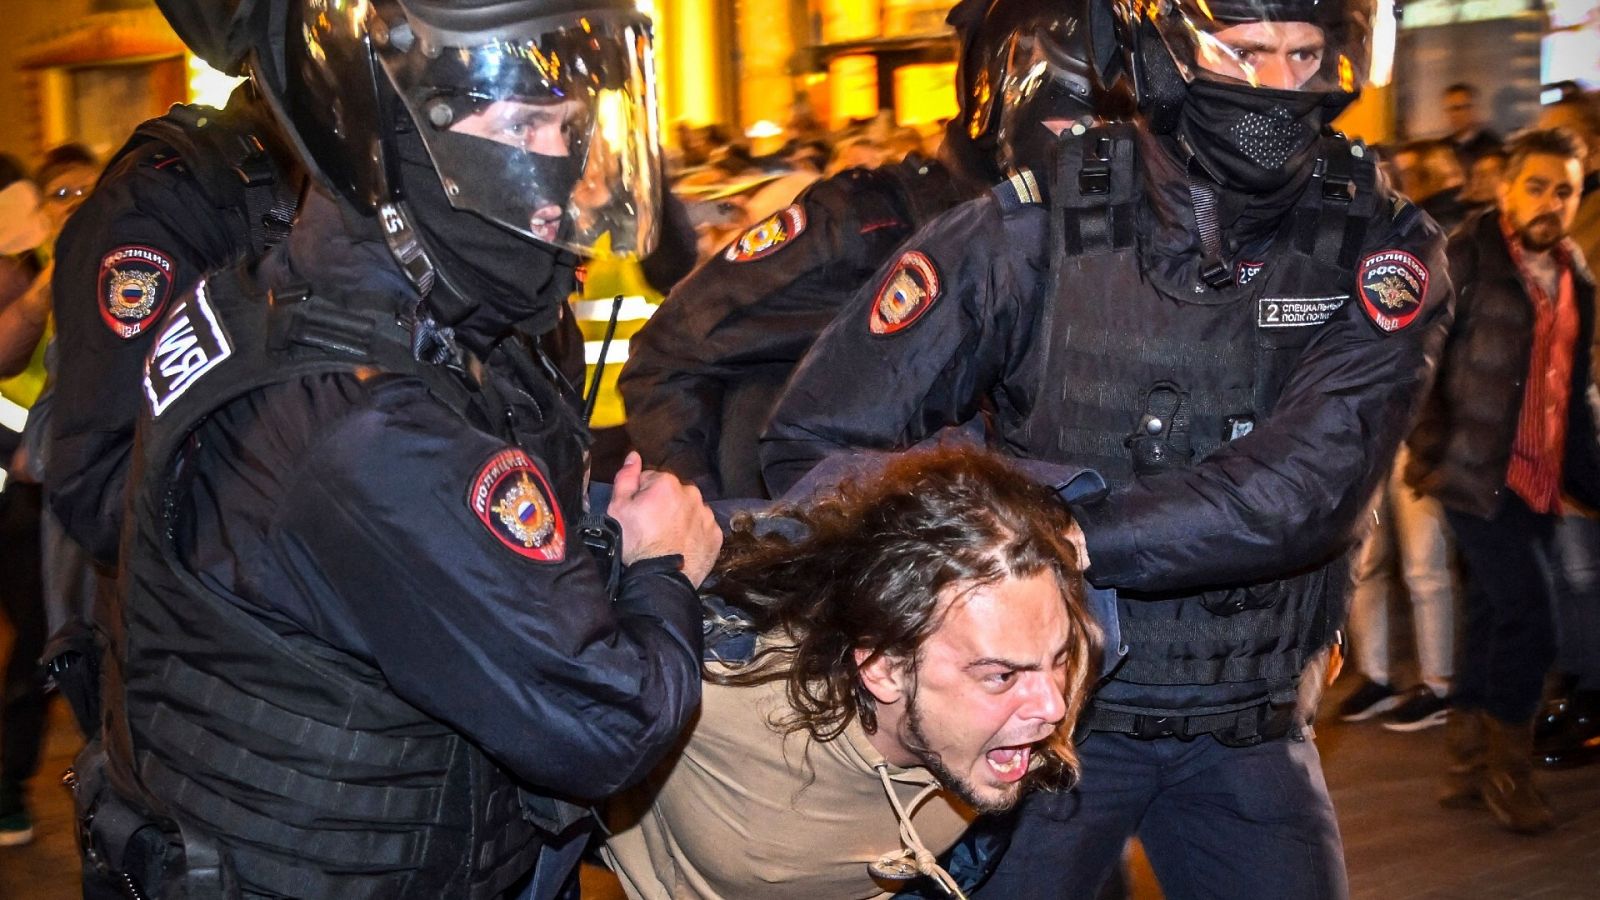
[[1021, 64], [222, 32], [1245, 86], [537, 116]]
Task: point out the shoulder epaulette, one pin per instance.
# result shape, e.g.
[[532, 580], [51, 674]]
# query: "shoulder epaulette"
[[1020, 189]]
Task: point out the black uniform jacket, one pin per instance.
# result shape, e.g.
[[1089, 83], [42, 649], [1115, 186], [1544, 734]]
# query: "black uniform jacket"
[[1281, 498], [340, 507], [703, 373]]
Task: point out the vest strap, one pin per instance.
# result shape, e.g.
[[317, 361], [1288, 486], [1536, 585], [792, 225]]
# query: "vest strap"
[[1237, 728], [1094, 187], [232, 165], [1332, 218]]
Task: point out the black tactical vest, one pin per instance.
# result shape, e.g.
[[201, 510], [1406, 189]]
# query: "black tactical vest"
[[286, 768], [1132, 374]]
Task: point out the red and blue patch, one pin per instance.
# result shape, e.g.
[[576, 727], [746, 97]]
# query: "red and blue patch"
[[510, 496], [768, 236], [135, 285], [907, 293], [1392, 283]]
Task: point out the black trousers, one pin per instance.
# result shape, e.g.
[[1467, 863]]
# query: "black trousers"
[[1215, 821], [22, 697], [1508, 634]]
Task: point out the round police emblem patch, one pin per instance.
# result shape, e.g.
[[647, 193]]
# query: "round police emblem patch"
[[135, 284], [908, 292], [511, 498], [1393, 283], [766, 236]]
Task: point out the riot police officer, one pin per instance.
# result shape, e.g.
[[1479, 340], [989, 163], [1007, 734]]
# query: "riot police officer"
[[1223, 310], [363, 647], [704, 372]]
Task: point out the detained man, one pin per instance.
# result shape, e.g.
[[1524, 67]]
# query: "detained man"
[[922, 654]]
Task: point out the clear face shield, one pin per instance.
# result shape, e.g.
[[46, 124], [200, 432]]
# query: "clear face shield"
[[548, 128], [1325, 47]]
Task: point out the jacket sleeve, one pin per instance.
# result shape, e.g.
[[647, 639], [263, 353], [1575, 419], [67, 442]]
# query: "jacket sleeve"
[[148, 221], [574, 693], [1287, 495], [1426, 442], [742, 315], [890, 387]]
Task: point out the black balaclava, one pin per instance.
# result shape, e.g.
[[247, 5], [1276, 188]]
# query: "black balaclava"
[[1249, 139], [521, 281]]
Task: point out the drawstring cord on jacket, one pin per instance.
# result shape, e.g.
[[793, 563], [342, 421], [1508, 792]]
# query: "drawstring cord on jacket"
[[926, 863]]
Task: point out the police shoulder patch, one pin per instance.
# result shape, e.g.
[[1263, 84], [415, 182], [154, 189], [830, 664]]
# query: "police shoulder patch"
[[910, 290], [769, 235], [1392, 283], [135, 284], [510, 496]]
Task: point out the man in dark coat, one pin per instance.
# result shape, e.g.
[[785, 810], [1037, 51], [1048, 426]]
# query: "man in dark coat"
[[1509, 427]]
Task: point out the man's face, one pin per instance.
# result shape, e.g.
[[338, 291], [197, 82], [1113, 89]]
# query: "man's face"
[[65, 192], [544, 129], [1460, 111], [1541, 199], [988, 687], [1282, 55], [1408, 166], [1484, 181]]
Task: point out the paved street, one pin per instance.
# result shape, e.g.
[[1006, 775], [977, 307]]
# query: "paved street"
[[1399, 844]]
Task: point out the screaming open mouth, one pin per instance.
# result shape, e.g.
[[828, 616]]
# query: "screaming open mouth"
[[1009, 764]]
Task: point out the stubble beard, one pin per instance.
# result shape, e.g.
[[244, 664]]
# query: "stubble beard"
[[955, 784]]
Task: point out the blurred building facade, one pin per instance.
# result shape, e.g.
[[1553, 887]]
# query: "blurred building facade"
[[85, 70]]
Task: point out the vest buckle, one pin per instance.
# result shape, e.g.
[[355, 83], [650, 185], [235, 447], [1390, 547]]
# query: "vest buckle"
[[1095, 180], [1337, 189]]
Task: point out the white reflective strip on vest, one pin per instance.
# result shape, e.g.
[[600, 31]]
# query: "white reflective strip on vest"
[[617, 353], [12, 416], [633, 309]]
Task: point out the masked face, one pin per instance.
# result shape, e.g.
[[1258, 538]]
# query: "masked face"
[[987, 689], [549, 131], [540, 129], [1248, 119], [1541, 199]]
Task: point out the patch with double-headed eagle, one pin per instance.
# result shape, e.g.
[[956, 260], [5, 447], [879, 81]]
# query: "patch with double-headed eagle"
[[768, 236], [511, 498], [1393, 283], [135, 284], [908, 292]]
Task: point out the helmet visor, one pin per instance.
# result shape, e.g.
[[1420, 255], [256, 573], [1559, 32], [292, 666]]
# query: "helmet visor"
[[552, 133], [1315, 46]]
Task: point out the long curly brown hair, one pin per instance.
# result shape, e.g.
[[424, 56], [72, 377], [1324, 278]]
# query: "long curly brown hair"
[[874, 562]]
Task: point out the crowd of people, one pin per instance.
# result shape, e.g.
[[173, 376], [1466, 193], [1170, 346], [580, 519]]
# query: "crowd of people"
[[44, 573], [990, 504]]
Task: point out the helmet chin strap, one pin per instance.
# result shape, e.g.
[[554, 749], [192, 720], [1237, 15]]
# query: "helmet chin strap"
[[443, 299]]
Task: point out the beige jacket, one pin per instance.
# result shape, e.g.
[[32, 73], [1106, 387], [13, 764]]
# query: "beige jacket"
[[744, 811]]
